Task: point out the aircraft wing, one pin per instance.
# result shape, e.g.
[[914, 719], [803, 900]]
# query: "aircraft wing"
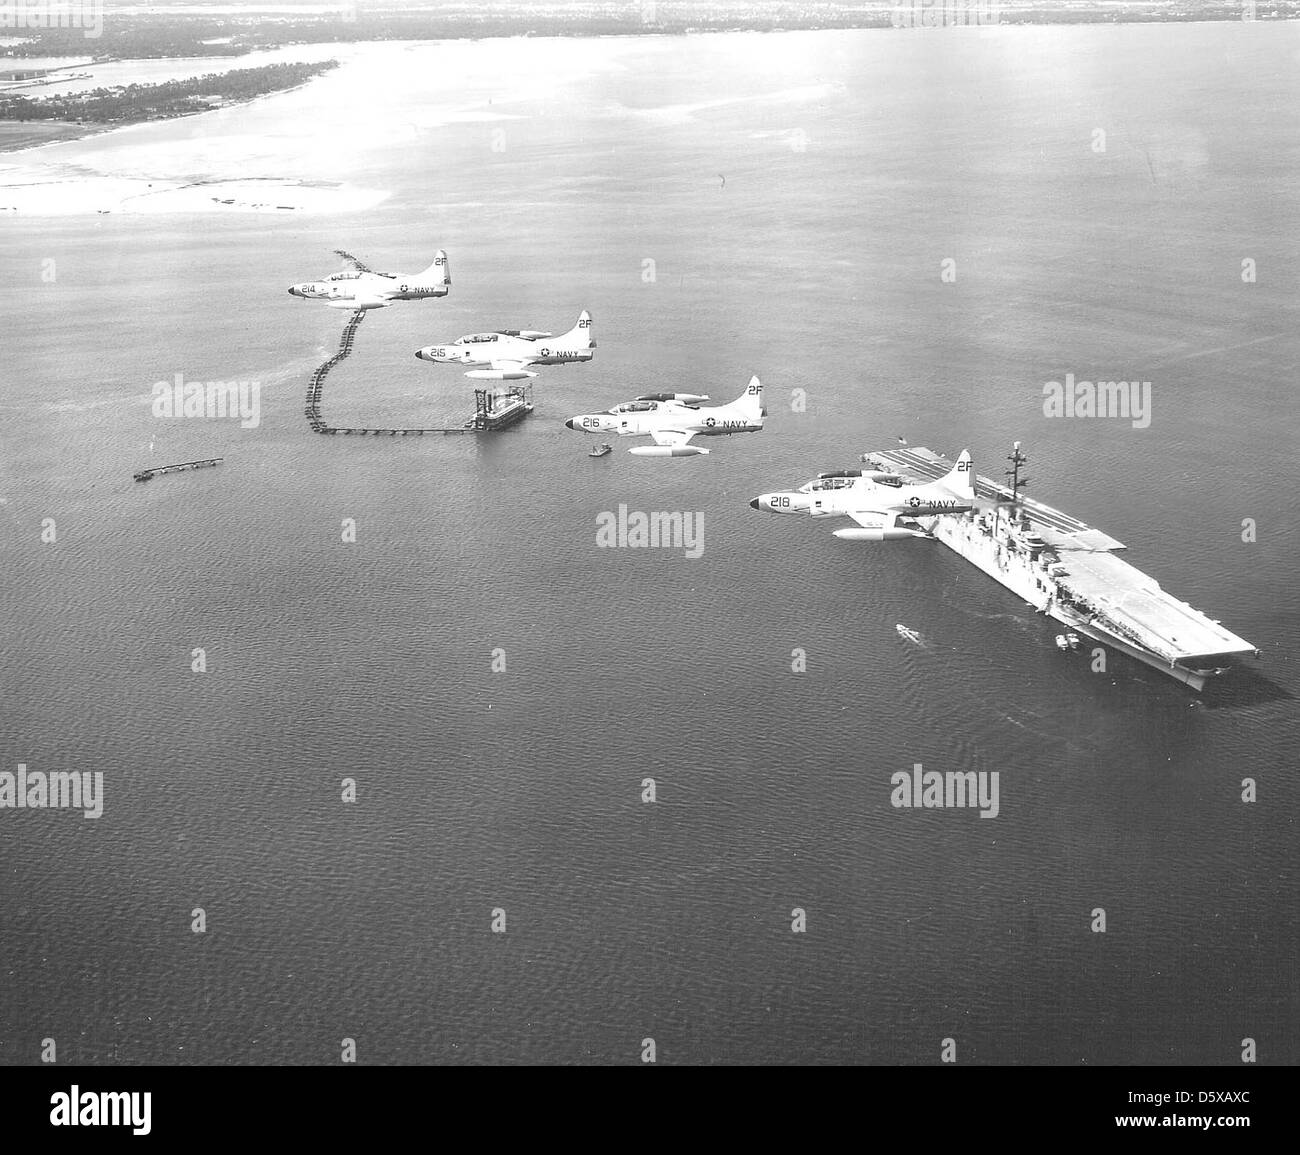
[[879, 525], [885, 519], [672, 436], [873, 518], [515, 365], [359, 265]]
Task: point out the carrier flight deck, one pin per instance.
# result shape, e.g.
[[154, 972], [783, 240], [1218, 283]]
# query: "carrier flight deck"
[[1069, 570]]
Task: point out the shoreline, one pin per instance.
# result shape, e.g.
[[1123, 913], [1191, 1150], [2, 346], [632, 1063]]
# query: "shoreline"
[[87, 131], [577, 35], [225, 166], [95, 130], [12, 133]]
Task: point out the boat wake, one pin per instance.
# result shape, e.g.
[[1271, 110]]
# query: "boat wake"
[[933, 668], [1018, 620], [911, 635]]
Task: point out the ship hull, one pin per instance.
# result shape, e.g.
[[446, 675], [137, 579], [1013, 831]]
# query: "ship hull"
[[1193, 678], [963, 537], [1070, 571]]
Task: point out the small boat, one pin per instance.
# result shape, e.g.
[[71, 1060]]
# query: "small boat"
[[601, 450], [1073, 640], [906, 632], [1062, 642]]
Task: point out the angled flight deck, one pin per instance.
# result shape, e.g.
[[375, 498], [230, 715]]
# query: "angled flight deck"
[[925, 465]]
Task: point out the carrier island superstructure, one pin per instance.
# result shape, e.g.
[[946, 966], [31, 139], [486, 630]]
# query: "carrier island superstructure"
[[1070, 571]]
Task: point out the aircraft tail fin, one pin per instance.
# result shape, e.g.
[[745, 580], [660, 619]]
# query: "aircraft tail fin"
[[580, 336], [438, 273], [961, 478], [750, 402]]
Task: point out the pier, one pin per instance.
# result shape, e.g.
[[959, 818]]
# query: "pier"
[[150, 474], [493, 412]]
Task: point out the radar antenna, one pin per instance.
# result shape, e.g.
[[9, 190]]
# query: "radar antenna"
[[1018, 483]]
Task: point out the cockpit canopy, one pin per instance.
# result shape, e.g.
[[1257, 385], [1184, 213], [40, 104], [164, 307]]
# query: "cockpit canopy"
[[847, 478], [635, 407], [879, 476], [825, 484], [350, 275], [520, 334]]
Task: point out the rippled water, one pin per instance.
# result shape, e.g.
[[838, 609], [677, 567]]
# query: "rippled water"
[[796, 194]]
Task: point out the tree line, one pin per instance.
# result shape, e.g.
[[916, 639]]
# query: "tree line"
[[135, 102]]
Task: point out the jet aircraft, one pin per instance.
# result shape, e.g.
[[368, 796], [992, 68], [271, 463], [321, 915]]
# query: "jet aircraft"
[[508, 353], [360, 287], [883, 505], [672, 419]]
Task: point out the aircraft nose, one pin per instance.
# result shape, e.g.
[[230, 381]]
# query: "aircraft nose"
[[569, 424], [754, 504], [292, 292]]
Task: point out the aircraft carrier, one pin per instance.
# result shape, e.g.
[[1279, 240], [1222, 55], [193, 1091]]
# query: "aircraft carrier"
[[1069, 571]]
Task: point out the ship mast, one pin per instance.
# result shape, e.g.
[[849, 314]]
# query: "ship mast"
[[1016, 482]]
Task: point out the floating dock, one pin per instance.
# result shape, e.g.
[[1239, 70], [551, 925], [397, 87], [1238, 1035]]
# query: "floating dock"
[[494, 410], [150, 474]]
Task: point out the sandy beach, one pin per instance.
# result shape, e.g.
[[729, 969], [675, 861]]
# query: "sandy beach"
[[207, 162], [318, 148]]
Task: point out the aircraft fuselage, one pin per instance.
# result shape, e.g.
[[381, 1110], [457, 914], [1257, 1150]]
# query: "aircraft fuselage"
[[638, 419], [828, 497], [531, 351]]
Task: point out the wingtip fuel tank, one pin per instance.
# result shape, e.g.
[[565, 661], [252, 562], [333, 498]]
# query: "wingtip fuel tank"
[[878, 533], [668, 450], [499, 374]]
